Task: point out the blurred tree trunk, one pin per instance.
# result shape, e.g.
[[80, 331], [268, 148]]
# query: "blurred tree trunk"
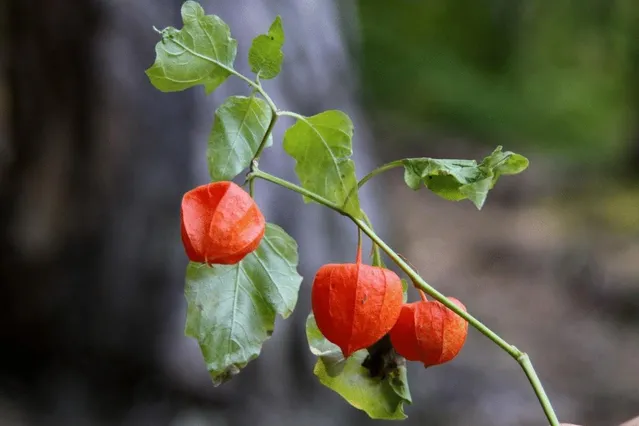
[[51, 201], [94, 163], [87, 237]]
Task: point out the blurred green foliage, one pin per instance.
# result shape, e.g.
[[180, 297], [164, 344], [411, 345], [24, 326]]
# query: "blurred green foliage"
[[561, 75]]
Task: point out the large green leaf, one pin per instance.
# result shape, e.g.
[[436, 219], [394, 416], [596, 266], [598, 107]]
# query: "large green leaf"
[[231, 308], [265, 55], [202, 52], [239, 127], [380, 398], [457, 180], [322, 146]]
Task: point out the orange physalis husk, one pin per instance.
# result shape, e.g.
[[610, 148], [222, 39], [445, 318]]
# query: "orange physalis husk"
[[355, 304], [221, 223], [429, 332]]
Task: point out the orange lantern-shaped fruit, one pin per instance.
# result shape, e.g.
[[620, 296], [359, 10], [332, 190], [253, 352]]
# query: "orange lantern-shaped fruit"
[[354, 304], [221, 223], [429, 332]]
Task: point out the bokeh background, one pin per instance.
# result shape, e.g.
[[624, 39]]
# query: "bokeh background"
[[94, 160]]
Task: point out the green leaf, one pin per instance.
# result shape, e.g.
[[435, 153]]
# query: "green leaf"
[[239, 127], [457, 180], [477, 191], [405, 290], [231, 308], [202, 52], [322, 146], [379, 398], [504, 163], [419, 170], [265, 55]]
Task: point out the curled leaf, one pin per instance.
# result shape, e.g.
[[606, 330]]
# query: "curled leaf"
[[457, 180]]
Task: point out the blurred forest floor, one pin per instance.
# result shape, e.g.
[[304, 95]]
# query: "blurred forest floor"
[[553, 272], [552, 261]]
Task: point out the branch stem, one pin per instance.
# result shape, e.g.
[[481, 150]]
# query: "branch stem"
[[531, 374], [269, 129], [521, 357], [379, 170], [257, 173], [252, 188], [292, 114], [377, 258], [372, 174], [432, 292]]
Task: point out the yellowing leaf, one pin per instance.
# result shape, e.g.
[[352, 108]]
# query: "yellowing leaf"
[[457, 180]]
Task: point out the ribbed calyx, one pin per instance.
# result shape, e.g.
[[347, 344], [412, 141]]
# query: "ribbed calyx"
[[221, 223]]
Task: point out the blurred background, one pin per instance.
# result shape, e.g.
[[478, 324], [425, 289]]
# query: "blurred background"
[[94, 161]]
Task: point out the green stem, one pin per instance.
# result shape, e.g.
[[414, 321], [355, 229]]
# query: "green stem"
[[380, 169], [251, 187], [358, 258], [531, 374], [419, 281], [377, 258], [428, 289], [269, 129], [521, 357], [257, 173], [292, 114]]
